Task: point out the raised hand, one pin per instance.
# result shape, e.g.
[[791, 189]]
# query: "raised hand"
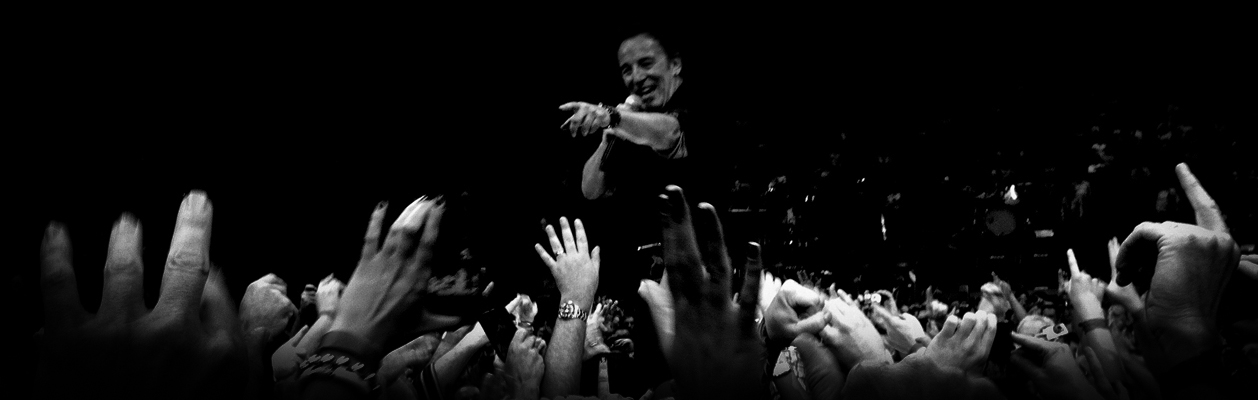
[[266, 310], [964, 342], [575, 265], [127, 350], [586, 118], [575, 269], [852, 336], [594, 345], [524, 365], [1051, 368], [1085, 292], [392, 278], [328, 295], [1188, 266], [716, 352], [524, 310], [795, 310], [903, 331]]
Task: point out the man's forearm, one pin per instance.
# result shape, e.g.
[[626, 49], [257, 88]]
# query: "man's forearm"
[[593, 179], [659, 131], [563, 359]]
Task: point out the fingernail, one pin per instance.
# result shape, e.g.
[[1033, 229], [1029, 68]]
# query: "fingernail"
[[382, 205], [126, 224], [196, 200], [54, 230]]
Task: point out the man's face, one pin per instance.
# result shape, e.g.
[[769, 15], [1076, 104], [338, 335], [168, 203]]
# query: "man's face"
[[647, 72]]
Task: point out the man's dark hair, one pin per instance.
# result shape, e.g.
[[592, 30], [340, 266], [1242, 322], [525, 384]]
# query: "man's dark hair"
[[670, 42]]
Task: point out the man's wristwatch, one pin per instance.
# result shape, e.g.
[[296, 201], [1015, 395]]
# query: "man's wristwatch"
[[613, 117], [569, 310]]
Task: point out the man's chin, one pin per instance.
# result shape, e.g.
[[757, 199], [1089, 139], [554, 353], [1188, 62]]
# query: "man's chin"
[[652, 103]]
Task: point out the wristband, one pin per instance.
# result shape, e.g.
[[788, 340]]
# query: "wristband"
[[340, 367], [1095, 323]]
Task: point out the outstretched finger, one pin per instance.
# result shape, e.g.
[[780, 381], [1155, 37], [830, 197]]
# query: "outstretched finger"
[[989, 336], [682, 260], [885, 316], [301, 333], [550, 262], [711, 238], [62, 308], [969, 323], [569, 241], [1112, 248], [583, 242], [1208, 214], [949, 328], [748, 298], [555, 246], [123, 295], [431, 229], [1039, 346], [371, 241], [188, 262], [1074, 263], [401, 233]]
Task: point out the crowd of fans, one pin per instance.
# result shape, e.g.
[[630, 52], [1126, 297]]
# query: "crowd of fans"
[[1152, 332]]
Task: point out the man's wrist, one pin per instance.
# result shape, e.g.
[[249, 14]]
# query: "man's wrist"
[[1088, 309]]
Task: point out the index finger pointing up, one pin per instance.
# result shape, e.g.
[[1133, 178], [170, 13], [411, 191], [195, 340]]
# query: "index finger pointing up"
[[1074, 263], [187, 263], [1208, 214]]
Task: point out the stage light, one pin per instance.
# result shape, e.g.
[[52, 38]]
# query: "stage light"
[[1011, 196]]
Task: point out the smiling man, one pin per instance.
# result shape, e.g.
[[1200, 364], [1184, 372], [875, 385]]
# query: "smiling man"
[[650, 119]]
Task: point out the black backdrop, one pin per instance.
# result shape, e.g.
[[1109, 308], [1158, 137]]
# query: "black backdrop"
[[296, 129]]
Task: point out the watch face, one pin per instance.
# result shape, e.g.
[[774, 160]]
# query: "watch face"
[[568, 310]]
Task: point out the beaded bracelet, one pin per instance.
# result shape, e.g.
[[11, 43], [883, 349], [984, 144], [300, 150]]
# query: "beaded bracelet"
[[343, 368]]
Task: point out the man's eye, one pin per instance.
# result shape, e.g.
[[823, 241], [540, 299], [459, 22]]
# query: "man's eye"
[[648, 63]]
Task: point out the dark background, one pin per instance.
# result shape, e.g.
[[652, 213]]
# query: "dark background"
[[296, 127]]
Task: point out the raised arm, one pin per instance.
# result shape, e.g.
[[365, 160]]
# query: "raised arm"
[[575, 268]]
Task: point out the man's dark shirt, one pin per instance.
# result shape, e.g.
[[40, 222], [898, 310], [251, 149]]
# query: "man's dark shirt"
[[636, 175]]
